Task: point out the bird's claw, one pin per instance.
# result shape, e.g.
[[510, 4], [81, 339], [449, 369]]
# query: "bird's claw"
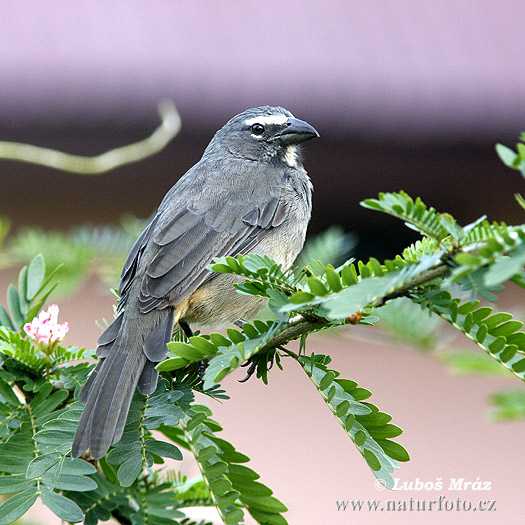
[[250, 372], [202, 369]]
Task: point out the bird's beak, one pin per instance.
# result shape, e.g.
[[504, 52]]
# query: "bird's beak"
[[296, 131]]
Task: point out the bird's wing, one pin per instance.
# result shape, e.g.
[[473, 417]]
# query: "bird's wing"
[[130, 266], [186, 244]]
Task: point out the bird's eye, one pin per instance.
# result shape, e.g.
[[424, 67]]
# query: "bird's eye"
[[257, 129]]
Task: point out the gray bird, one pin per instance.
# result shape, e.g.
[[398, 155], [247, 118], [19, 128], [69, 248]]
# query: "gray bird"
[[249, 193]]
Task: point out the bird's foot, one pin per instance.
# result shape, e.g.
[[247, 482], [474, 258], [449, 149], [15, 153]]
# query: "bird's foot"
[[189, 333], [254, 361], [239, 323], [250, 371], [186, 329], [202, 369]]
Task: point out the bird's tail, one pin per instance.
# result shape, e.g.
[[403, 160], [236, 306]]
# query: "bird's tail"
[[129, 350]]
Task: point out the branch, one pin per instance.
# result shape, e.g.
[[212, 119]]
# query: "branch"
[[304, 324], [95, 165], [438, 271]]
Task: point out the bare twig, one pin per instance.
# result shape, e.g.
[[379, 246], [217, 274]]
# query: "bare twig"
[[95, 165]]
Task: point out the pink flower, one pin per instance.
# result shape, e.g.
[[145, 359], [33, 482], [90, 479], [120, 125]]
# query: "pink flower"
[[45, 328]]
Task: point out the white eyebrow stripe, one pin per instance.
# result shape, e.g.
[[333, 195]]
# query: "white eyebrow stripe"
[[267, 119]]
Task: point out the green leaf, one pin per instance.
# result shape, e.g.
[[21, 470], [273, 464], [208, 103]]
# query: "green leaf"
[[216, 469], [197, 419], [327, 380], [481, 333], [361, 393], [17, 506], [372, 460], [242, 473], [301, 297], [355, 298], [206, 453], [520, 199], [347, 384], [50, 404], [497, 345], [227, 499], [35, 276], [349, 275], [349, 422], [219, 340], [394, 450], [360, 438], [78, 466], [22, 285], [519, 366], [15, 483], [506, 329], [481, 313], [63, 507], [54, 437], [5, 319], [496, 319], [506, 155], [173, 363], [250, 331], [232, 517], [220, 486], [9, 396], [467, 259], [13, 301], [130, 470], [164, 449], [186, 351], [333, 279], [70, 482], [203, 345], [386, 431], [254, 488], [267, 518], [124, 451], [235, 335], [42, 464], [316, 286], [506, 267], [509, 405], [264, 503], [221, 268], [342, 408], [233, 264], [471, 363]]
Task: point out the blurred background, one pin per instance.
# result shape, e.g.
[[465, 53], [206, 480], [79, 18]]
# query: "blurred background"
[[407, 95]]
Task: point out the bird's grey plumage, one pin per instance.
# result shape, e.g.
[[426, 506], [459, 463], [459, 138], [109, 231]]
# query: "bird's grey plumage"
[[248, 194]]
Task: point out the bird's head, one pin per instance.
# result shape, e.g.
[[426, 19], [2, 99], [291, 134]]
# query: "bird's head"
[[266, 134]]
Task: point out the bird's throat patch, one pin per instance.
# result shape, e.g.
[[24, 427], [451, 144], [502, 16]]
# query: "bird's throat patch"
[[290, 155]]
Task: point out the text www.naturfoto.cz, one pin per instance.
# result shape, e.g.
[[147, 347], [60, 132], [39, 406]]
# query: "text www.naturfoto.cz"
[[415, 505]]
